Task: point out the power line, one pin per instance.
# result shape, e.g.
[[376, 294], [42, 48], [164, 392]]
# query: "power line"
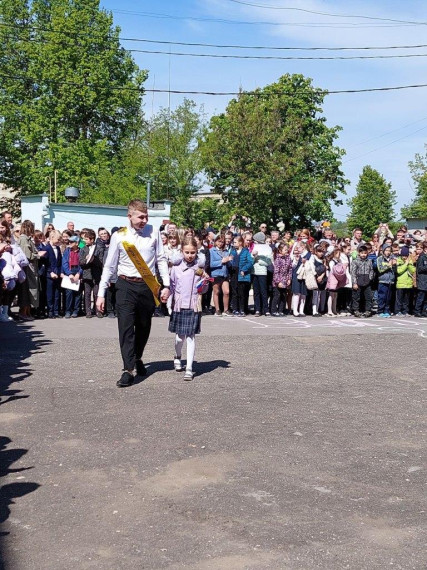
[[264, 6], [287, 48], [385, 145], [263, 23], [387, 133], [277, 57], [217, 93], [221, 46]]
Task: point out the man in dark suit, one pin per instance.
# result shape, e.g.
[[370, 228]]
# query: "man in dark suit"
[[53, 274]]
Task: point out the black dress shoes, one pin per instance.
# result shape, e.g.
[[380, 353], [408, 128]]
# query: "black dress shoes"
[[140, 368], [125, 380]]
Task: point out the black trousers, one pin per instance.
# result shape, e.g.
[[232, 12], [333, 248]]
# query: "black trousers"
[[134, 308], [364, 293], [402, 300]]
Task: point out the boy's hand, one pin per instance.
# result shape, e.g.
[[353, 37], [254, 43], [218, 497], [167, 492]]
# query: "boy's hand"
[[355, 287], [53, 275], [100, 304], [242, 273]]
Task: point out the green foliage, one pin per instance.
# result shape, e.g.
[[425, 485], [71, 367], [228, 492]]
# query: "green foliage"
[[199, 214], [373, 202], [164, 150], [271, 154], [70, 94], [418, 207]]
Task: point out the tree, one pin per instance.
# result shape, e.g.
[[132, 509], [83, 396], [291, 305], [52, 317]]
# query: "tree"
[[418, 207], [272, 156], [70, 96], [373, 202], [164, 150]]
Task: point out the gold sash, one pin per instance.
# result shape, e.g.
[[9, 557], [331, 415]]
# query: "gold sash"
[[143, 270]]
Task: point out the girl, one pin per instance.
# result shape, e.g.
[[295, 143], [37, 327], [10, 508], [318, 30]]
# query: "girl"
[[241, 268], [219, 262], [28, 291], [282, 278], [337, 278], [186, 315], [173, 248], [10, 271], [299, 257]]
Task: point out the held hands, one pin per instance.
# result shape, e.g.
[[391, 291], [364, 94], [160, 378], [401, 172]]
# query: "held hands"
[[164, 295], [355, 287]]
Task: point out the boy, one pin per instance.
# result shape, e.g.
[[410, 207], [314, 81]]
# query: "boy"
[[405, 269], [421, 283], [386, 265], [362, 273], [91, 260], [53, 274]]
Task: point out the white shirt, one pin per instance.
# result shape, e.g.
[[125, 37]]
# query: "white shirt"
[[149, 245]]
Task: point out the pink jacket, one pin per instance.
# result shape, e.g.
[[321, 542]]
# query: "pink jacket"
[[184, 279]]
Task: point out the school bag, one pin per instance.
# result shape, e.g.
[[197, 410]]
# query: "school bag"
[[339, 272]]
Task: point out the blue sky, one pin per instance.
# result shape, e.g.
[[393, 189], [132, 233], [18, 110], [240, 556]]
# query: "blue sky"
[[383, 129]]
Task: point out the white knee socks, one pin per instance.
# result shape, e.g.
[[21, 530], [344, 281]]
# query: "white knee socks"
[[191, 348]]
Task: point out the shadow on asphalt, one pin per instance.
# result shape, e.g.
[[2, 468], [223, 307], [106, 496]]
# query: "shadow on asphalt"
[[200, 368], [17, 343]]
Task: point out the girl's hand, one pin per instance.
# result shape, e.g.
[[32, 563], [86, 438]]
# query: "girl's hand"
[[355, 287], [289, 282], [280, 285], [242, 273]]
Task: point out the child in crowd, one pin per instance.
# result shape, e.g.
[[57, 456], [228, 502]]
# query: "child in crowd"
[[300, 255], [219, 263], [282, 278], [318, 266], [386, 264], [421, 276], [241, 267], [173, 249], [10, 271], [72, 269], [263, 257], [186, 315], [53, 274], [405, 269], [91, 262], [362, 274], [337, 278]]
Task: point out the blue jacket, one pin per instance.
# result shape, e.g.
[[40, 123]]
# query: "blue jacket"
[[53, 262], [246, 263], [386, 272], [66, 263], [218, 269]]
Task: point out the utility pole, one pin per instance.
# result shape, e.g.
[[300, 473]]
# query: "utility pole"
[[55, 183], [148, 192]]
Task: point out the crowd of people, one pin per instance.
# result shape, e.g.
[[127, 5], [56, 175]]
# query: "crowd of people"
[[56, 273]]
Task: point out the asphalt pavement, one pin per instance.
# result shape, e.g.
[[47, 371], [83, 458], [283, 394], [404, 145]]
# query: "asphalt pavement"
[[300, 444]]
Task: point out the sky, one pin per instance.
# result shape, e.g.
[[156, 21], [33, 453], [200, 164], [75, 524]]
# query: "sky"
[[384, 129]]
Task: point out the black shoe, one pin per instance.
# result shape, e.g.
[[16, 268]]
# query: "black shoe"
[[125, 380], [89, 316], [140, 368]]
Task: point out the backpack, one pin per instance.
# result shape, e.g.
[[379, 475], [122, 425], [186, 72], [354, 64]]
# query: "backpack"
[[339, 272]]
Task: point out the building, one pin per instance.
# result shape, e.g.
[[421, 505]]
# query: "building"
[[416, 223], [39, 210]]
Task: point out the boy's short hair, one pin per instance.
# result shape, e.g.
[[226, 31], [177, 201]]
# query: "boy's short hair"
[[90, 234], [137, 204], [362, 248]]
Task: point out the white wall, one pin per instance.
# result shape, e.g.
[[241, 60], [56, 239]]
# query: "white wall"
[[38, 210]]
